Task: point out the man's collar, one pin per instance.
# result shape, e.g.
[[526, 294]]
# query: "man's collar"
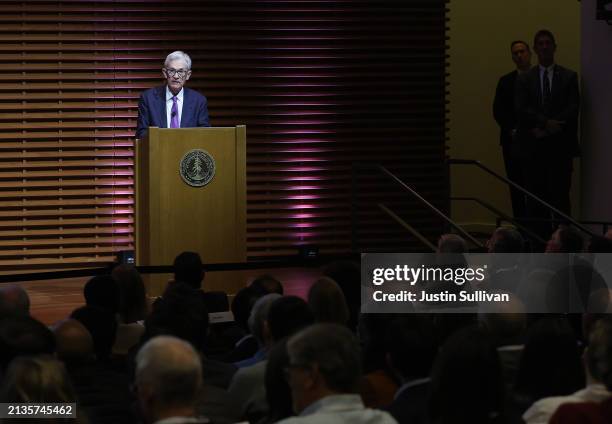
[[169, 94], [547, 69]]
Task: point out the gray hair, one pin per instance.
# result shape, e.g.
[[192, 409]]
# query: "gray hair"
[[259, 314], [335, 352], [178, 55], [171, 368]]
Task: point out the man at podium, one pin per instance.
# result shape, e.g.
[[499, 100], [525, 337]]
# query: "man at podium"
[[172, 105]]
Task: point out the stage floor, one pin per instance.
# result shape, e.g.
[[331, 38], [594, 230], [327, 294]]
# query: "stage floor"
[[54, 300]]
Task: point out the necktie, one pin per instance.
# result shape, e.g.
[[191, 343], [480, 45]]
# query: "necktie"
[[546, 97], [174, 118]]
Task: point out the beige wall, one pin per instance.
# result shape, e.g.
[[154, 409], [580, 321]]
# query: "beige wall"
[[480, 33]]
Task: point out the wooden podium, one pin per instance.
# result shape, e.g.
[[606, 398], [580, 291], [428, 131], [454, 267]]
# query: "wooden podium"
[[173, 216]]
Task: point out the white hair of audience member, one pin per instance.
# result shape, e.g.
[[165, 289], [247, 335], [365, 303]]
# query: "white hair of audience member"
[[335, 352], [171, 369], [14, 300], [259, 315], [178, 55]]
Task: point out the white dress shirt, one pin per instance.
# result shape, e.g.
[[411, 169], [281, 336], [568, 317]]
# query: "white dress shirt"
[[340, 409], [179, 103], [542, 410]]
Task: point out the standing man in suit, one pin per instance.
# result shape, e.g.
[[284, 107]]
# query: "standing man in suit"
[[505, 115], [547, 103], [172, 105]]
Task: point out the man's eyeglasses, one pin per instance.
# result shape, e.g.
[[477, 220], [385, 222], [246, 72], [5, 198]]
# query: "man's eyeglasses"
[[180, 72]]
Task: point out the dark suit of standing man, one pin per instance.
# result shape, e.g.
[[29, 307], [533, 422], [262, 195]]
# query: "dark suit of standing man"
[[547, 103], [505, 115], [172, 105]]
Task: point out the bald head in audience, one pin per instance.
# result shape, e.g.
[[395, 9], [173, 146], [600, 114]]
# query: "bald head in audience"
[[73, 341], [14, 301]]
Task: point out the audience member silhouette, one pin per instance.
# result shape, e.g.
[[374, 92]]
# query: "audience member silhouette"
[[327, 302], [14, 301], [23, 336], [168, 379], [323, 374], [466, 384], [411, 351]]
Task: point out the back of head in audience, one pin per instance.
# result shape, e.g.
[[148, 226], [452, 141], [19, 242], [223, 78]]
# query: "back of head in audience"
[[506, 240], [181, 312], [242, 306], [132, 293], [74, 343], [329, 355], [348, 276], [452, 243], [599, 352], [267, 284], [599, 306], [188, 268], [14, 301], [327, 302], [168, 377], [278, 392], [551, 363], [565, 240], [259, 316], [22, 336], [466, 384], [411, 347], [102, 291], [287, 315], [40, 379], [102, 326]]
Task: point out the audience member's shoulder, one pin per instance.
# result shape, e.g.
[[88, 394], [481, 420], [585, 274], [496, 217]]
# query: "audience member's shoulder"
[[582, 412]]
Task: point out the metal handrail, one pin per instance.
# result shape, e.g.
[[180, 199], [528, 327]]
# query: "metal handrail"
[[501, 214], [431, 207], [521, 189], [408, 227]]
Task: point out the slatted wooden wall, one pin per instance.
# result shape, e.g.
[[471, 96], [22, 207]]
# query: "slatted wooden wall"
[[319, 84]]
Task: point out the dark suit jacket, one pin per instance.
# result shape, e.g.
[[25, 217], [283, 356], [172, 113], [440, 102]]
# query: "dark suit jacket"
[[503, 106], [152, 110], [564, 106], [411, 405]]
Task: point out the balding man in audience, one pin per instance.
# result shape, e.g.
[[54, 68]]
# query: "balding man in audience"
[[73, 342], [168, 379], [14, 301], [323, 373], [102, 392]]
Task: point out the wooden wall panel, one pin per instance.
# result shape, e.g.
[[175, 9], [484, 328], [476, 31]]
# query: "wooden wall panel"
[[319, 84]]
